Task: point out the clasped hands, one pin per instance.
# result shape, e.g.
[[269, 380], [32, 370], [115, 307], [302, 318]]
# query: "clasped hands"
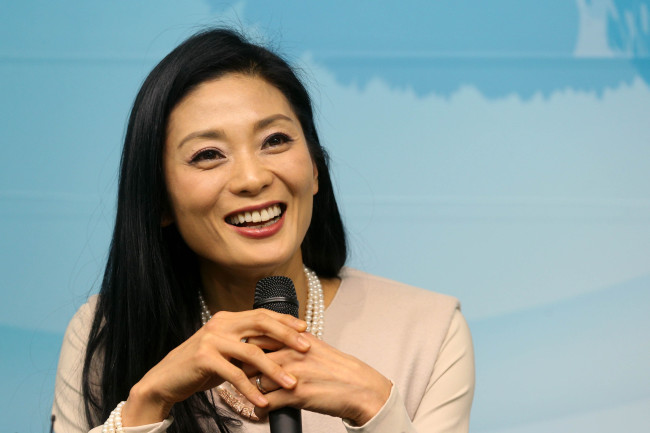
[[295, 369]]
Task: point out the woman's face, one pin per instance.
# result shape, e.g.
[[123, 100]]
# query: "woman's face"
[[239, 175]]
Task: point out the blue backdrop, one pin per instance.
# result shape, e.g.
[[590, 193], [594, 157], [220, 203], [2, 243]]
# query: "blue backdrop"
[[496, 151]]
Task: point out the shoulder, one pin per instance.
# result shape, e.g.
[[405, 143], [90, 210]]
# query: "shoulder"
[[368, 305], [393, 294], [68, 395], [85, 314], [78, 328]]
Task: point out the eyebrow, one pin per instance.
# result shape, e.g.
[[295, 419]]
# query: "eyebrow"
[[217, 134], [263, 123]]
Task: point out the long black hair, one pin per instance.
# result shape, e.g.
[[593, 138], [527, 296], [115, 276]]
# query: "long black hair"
[[148, 298]]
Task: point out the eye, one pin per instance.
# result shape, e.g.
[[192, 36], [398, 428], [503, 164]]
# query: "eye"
[[276, 140], [206, 155]]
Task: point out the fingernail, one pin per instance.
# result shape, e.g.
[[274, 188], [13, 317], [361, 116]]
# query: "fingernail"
[[289, 380], [303, 342], [301, 324], [262, 401]]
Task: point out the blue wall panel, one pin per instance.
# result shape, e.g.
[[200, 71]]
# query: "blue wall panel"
[[496, 151]]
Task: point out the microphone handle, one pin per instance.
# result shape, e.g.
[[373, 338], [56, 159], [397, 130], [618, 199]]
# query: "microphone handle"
[[279, 294], [285, 420]]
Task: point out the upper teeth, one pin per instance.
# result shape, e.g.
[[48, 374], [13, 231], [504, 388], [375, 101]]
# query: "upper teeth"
[[256, 216]]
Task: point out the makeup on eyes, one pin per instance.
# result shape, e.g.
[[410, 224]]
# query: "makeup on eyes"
[[210, 154], [206, 154]]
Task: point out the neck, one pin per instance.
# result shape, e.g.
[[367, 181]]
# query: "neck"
[[234, 289]]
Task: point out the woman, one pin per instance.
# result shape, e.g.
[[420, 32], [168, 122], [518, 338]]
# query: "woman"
[[223, 181]]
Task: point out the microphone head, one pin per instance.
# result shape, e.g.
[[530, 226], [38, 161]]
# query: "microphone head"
[[276, 294]]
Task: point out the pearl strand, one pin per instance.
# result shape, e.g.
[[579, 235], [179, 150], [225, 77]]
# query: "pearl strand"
[[114, 422], [315, 312], [205, 313]]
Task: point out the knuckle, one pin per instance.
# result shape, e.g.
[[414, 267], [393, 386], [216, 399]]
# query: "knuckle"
[[202, 358], [207, 340], [260, 315], [251, 351], [288, 332], [298, 370], [220, 316], [212, 326], [239, 377], [276, 371]]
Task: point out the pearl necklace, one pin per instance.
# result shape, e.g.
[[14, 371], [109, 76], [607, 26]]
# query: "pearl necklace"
[[315, 313]]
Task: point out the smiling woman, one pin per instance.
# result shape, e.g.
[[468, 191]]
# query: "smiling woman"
[[234, 146], [224, 182]]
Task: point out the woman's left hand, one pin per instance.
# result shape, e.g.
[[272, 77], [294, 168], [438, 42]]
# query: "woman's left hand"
[[329, 382]]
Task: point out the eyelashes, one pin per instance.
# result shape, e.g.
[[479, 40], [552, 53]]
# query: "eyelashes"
[[206, 155], [277, 139], [274, 142]]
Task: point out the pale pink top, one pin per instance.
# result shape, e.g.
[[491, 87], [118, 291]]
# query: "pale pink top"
[[416, 338]]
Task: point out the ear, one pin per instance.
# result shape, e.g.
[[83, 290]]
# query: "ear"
[[166, 218], [315, 171]]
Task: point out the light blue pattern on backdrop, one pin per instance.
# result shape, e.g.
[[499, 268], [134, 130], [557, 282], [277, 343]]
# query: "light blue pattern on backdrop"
[[496, 151]]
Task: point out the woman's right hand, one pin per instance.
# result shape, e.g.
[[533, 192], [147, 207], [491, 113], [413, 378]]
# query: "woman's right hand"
[[212, 356]]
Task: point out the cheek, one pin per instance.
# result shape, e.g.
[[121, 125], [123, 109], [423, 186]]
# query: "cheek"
[[190, 195], [304, 185], [314, 189], [303, 174]]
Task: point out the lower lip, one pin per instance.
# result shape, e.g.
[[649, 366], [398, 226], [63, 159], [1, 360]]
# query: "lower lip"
[[263, 232]]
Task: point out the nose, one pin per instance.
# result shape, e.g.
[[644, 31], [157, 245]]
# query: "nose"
[[249, 175]]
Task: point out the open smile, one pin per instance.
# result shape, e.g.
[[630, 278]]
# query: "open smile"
[[257, 218]]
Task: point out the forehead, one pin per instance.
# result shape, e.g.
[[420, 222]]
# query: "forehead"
[[233, 91], [234, 105]]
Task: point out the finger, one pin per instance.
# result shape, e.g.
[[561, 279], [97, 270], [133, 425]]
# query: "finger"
[[265, 343], [264, 384], [277, 399], [254, 323], [254, 356], [287, 319], [267, 325], [286, 355], [238, 319], [240, 381], [280, 357]]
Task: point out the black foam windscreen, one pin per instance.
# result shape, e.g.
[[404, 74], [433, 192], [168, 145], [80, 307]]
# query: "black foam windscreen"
[[276, 294]]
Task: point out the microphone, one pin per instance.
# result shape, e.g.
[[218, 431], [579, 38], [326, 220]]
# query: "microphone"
[[278, 294]]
